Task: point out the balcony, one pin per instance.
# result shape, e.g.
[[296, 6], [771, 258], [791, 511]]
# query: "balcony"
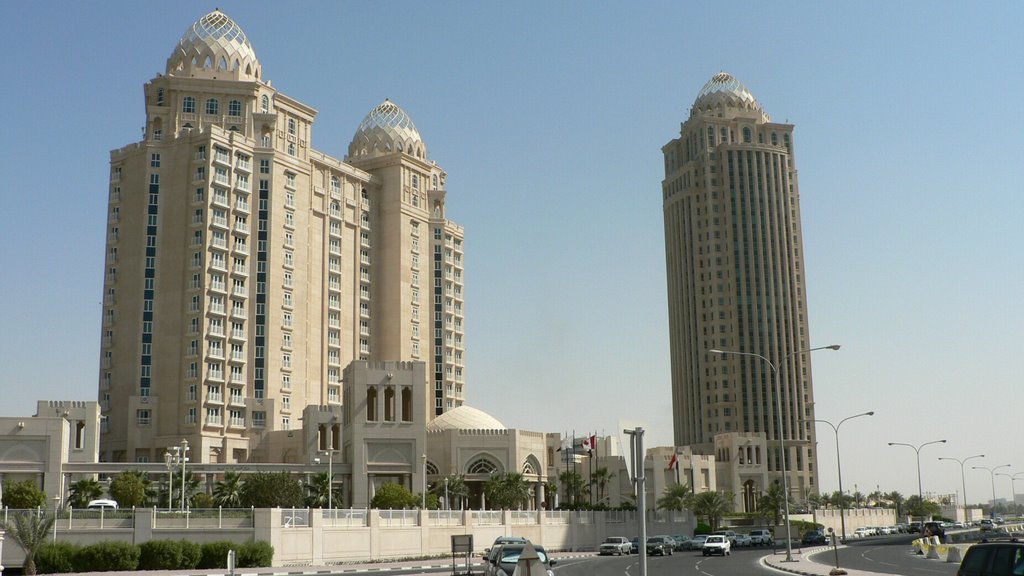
[[237, 423], [216, 398]]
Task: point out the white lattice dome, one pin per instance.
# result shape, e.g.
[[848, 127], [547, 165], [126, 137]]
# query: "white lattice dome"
[[214, 46], [724, 90], [386, 129], [464, 418]]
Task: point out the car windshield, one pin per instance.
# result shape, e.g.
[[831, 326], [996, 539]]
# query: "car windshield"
[[612, 540], [512, 556], [715, 538]]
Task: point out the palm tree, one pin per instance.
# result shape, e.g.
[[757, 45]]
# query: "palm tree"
[[772, 502], [227, 492], [454, 487], [674, 497], [876, 497], [507, 491], [816, 500], [897, 500], [858, 499], [573, 484], [84, 491], [317, 490], [29, 530], [712, 506], [600, 479], [552, 491]]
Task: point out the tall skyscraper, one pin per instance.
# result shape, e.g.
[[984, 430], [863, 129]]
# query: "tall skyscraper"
[[734, 257], [245, 270]]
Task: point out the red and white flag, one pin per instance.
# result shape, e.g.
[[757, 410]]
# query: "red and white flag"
[[674, 462], [588, 443]]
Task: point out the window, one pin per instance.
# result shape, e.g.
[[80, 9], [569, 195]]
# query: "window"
[[212, 105], [234, 108], [142, 417], [154, 160], [188, 105], [264, 165], [264, 107], [291, 126], [259, 419]]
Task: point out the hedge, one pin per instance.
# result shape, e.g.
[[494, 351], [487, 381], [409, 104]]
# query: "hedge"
[[108, 556], [56, 558]]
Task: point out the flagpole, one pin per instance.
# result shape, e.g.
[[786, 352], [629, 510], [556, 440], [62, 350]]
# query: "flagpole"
[[590, 457]]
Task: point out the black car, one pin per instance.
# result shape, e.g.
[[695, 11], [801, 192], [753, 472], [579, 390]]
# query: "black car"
[[934, 529], [507, 556], [993, 559], [660, 545], [812, 537]]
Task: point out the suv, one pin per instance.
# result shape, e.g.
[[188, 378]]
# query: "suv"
[[814, 537], [729, 535], [761, 537], [986, 524], [616, 545], [934, 528], [717, 544], [992, 559]]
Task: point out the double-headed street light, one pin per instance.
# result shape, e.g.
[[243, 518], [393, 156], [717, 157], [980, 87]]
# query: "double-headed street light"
[[839, 466], [992, 477], [1013, 485], [917, 449], [781, 431], [963, 481]]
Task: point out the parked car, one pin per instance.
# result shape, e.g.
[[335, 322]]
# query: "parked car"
[[504, 563], [717, 544], [862, 532], [730, 534], [814, 537], [986, 524], [697, 542], [634, 545], [993, 559], [743, 541], [660, 545], [616, 545], [934, 528], [102, 504], [761, 537], [682, 541]]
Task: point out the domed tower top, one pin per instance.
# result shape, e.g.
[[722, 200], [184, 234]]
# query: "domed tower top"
[[214, 47], [724, 92], [386, 129]]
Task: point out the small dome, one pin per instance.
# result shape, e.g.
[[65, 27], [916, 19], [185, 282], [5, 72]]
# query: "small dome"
[[464, 418], [725, 90], [214, 46], [386, 129]]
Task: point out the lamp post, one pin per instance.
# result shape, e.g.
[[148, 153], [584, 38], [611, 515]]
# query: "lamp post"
[[839, 467], [423, 496], [992, 477], [963, 481], [781, 432], [171, 461], [917, 449], [184, 458], [1013, 485], [330, 477]]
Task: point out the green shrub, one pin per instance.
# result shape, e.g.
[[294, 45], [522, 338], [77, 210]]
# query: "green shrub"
[[215, 554], [107, 556], [160, 555], [702, 528], [56, 558], [255, 555], [191, 553]]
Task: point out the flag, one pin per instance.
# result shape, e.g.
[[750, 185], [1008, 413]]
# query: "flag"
[[566, 444], [587, 445], [593, 443], [674, 462]]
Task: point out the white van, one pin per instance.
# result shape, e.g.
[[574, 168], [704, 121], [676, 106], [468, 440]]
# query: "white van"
[[102, 505]]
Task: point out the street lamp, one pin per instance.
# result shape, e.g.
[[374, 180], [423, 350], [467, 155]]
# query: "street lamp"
[[963, 481], [992, 477], [423, 496], [171, 462], [1013, 485], [839, 466], [781, 432], [330, 477], [917, 449], [184, 458]]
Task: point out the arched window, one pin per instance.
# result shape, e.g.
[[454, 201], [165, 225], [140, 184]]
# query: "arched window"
[[371, 404], [431, 468], [481, 466], [335, 184], [236, 66], [188, 105], [775, 139], [208, 63], [746, 136], [265, 104], [222, 64], [711, 137], [160, 97], [291, 126], [389, 404], [291, 148], [234, 108], [406, 404], [435, 181], [212, 106], [785, 140]]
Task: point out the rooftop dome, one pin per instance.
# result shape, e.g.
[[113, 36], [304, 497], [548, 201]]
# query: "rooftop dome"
[[464, 418], [214, 46], [386, 129], [724, 90]]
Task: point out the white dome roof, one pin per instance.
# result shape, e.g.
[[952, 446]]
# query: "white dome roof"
[[214, 46], [723, 89], [464, 418], [387, 129]]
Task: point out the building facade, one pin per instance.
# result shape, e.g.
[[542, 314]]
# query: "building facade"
[[734, 259], [245, 270]]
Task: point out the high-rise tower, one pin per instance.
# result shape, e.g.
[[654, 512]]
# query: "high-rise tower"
[[734, 257], [245, 270]]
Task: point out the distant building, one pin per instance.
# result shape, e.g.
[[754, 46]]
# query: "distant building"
[[736, 282], [245, 270]]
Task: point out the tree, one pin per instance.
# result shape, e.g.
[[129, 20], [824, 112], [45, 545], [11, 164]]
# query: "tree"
[[392, 496], [317, 489], [23, 495], [815, 500], [897, 500], [675, 497], [711, 505], [600, 479], [772, 502], [130, 489], [84, 491], [876, 497], [858, 499], [228, 491], [551, 488], [29, 530], [573, 484], [507, 491], [454, 487], [916, 506], [271, 490]]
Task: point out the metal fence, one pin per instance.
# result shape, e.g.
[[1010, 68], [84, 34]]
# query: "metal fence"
[[345, 516], [204, 518], [398, 517]]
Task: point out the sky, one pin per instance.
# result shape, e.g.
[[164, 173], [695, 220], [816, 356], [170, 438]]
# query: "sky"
[[549, 118]]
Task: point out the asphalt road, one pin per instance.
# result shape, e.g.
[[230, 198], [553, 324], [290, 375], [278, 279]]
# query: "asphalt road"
[[889, 555], [742, 562]]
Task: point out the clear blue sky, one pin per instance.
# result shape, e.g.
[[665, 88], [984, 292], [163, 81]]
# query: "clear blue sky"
[[549, 118]]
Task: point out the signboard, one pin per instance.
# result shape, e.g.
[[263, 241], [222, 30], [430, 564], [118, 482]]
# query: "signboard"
[[462, 543]]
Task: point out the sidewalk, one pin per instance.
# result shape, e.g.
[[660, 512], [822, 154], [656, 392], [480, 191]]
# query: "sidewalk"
[[803, 564]]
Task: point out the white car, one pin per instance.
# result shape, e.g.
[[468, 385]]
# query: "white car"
[[615, 545], [861, 532], [717, 544], [761, 537], [743, 541]]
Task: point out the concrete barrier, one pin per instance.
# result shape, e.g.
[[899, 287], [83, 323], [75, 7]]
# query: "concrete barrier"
[[954, 554], [933, 552]]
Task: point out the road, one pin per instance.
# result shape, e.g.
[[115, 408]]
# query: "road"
[[890, 555], [742, 562]]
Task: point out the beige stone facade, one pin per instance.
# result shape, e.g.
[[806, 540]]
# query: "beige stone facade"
[[245, 270], [734, 257]]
